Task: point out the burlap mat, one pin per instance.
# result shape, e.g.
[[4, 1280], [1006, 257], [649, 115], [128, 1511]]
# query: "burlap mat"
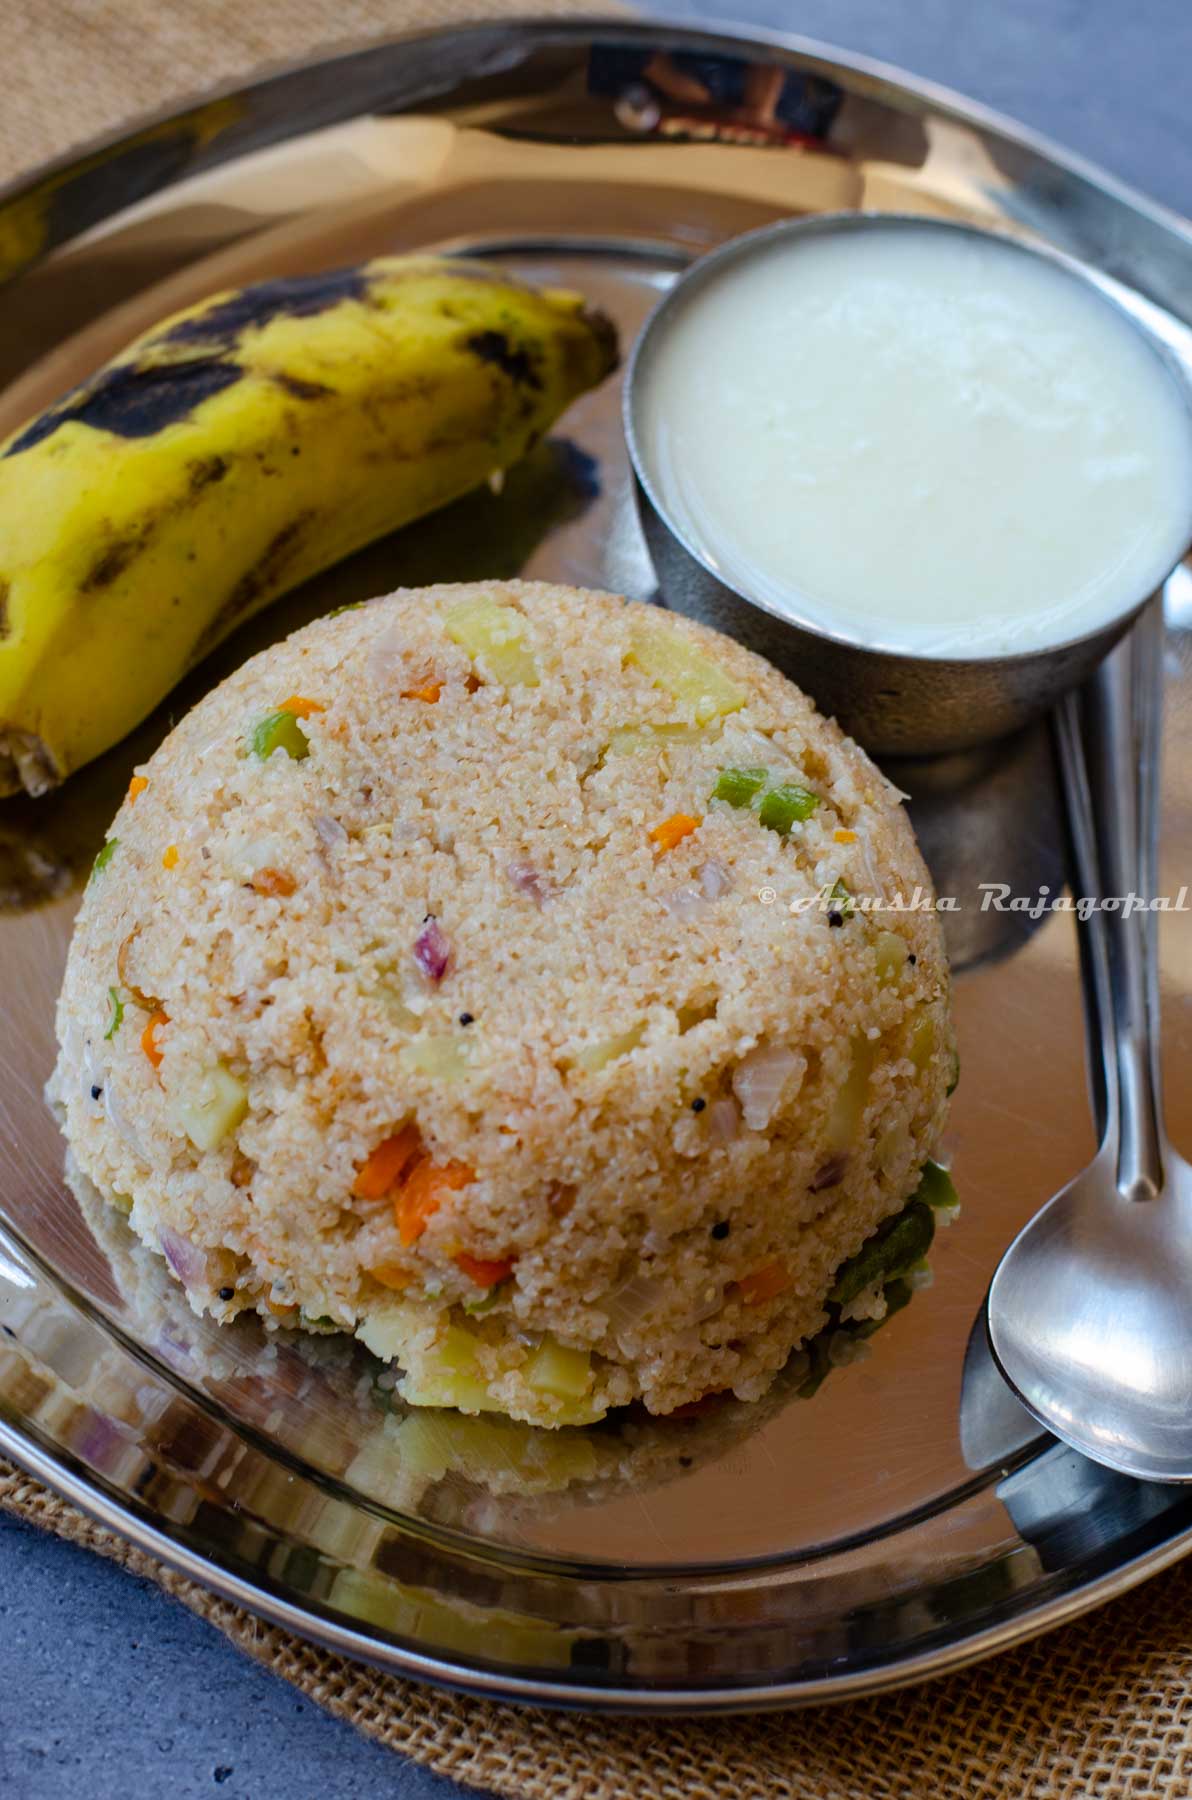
[[1099, 1709]]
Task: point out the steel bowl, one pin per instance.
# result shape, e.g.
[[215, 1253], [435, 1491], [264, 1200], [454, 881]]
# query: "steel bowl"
[[893, 702]]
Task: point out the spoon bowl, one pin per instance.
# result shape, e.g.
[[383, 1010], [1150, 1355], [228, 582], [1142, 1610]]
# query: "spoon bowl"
[[1091, 1320]]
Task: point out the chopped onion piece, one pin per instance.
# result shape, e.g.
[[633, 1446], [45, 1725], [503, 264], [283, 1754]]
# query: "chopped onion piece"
[[689, 901], [631, 1300], [685, 902], [830, 1174], [187, 1261], [119, 1121], [714, 879], [330, 832], [711, 1303], [875, 886], [762, 1077], [724, 1120], [386, 661], [526, 879], [432, 952]]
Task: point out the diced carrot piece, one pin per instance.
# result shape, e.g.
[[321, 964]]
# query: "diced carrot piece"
[[484, 1273], [136, 786], [424, 1191], [764, 1284], [672, 831], [428, 691], [170, 857], [844, 836], [301, 707], [392, 1275], [149, 1042], [384, 1166], [274, 881]]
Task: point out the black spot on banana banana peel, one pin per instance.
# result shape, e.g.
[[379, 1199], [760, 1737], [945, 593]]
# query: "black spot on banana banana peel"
[[222, 324], [133, 400], [263, 578], [300, 389], [205, 470], [113, 560], [5, 622], [120, 554], [516, 362], [604, 335]]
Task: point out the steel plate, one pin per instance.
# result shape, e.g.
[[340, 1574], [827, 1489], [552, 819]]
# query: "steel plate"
[[907, 1517]]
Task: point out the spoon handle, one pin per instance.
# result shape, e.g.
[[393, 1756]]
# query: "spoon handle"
[[1109, 745]]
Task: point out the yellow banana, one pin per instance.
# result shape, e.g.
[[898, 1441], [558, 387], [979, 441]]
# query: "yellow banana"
[[237, 449]]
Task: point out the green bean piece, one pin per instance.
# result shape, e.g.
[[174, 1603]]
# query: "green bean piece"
[[842, 900], [484, 1304], [107, 852], [739, 786], [786, 805], [936, 1187], [280, 731], [893, 1250], [116, 1016]]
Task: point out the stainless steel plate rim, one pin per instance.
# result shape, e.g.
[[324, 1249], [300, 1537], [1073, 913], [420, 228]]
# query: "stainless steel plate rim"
[[644, 27], [317, 1628], [1012, 1613]]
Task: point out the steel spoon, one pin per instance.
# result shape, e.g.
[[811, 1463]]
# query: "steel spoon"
[[1090, 1311]]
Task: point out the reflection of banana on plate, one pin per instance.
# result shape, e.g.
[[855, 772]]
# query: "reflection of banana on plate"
[[237, 449], [32, 868]]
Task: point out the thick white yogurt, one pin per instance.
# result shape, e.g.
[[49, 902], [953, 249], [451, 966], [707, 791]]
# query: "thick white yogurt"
[[920, 438]]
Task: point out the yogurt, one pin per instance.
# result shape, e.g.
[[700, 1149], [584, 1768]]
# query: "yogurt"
[[919, 438]]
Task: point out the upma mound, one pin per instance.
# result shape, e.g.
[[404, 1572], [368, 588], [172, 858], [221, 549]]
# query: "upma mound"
[[495, 971]]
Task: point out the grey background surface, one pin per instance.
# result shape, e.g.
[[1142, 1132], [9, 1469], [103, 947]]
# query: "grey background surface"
[[110, 1691]]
